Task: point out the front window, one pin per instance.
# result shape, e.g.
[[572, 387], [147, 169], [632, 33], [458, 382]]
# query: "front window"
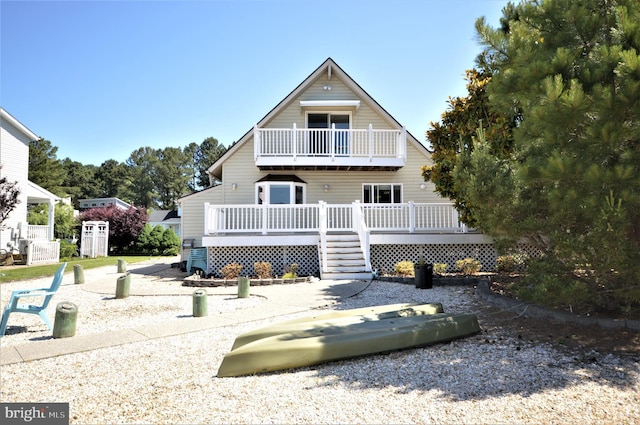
[[280, 193], [382, 193]]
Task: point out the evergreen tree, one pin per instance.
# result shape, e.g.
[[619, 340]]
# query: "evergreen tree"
[[170, 243], [570, 72], [45, 169]]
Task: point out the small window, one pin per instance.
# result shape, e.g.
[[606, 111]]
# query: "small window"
[[382, 193], [280, 193]]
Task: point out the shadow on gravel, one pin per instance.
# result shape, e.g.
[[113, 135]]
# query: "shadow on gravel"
[[502, 360]]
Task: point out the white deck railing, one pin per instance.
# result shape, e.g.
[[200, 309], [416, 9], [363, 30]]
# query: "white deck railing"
[[307, 142], [39, 251], [37, 232], [322, 217]]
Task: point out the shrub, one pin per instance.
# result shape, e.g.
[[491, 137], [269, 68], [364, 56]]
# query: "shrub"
[[231, 271], [404, 268], [170, 242], [291, 271], [511, 263], [68, 249], [440, 268], [468, 266], [262, 269]]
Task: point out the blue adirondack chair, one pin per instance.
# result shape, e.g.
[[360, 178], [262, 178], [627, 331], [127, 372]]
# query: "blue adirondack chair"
[[40, 309], [197, 258]]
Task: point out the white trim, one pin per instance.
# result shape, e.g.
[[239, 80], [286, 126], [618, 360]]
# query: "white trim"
[[6, 116], [330, 104], [394, 201]]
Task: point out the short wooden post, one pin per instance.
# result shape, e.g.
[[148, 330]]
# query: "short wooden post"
[[122, 286], [65, 321], [122, 266], [199, 303], [243, 287], [78, 274]]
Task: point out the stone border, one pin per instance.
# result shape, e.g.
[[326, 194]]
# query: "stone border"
[[520, 308]]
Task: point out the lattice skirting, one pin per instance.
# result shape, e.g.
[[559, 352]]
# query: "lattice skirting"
[[383, 257], [306, 257]]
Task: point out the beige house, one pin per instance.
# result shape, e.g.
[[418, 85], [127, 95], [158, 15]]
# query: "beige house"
[[328, 180]]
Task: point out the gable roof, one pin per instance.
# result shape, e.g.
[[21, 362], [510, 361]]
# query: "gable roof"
[[158, 216], [330, 68], [6, 116]]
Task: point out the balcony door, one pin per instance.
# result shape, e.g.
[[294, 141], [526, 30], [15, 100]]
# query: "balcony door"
[[324, 142]]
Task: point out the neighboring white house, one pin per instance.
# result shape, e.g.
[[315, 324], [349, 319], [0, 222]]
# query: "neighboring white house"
[[166, 218], [329, 180], [86, 204], [33, 242]]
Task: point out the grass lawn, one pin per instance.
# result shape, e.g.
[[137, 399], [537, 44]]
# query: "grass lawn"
[[31, 272]]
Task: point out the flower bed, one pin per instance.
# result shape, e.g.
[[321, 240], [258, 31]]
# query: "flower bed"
[[199, 281]]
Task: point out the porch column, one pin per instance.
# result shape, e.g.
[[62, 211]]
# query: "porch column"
[[51, 220]]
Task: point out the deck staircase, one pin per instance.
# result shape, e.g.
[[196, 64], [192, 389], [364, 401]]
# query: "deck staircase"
[[344, 259]]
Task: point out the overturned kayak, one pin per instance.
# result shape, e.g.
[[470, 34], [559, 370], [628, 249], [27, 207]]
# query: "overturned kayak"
[[319, 344], [321, 321]]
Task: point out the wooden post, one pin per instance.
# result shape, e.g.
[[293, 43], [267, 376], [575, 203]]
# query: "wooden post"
[[122, 265], [199, 303], [78, 274], [65, 321], [122, 286], [243, 287]]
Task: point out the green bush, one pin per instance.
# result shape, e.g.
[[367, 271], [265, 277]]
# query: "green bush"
[[157, 241], [511, 263], [404, 269], [291, 271], [68, 249], [440, 268], [468, 266]]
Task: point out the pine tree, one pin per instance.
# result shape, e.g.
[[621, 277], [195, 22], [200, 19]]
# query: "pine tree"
[[570, 71]]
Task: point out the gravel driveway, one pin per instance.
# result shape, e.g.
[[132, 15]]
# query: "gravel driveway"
[[494, 377]]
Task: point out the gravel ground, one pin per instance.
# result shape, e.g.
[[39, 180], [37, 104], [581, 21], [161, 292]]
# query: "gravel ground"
[[494, 377]]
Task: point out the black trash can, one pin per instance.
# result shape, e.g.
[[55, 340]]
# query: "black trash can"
[[424, 276]]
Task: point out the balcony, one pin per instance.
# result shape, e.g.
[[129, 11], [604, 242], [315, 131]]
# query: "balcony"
[[329, 149]]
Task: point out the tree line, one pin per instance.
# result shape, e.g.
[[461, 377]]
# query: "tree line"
[[150, 178]]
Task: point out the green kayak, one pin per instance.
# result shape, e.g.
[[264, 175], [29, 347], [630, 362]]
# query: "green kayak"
[[313, 344], [338, 318]]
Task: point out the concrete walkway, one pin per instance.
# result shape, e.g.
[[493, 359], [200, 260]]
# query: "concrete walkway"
[[280, 300]]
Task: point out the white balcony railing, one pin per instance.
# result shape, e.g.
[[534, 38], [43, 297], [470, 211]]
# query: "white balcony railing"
[[322, 217], [370, 145], [37, 232]]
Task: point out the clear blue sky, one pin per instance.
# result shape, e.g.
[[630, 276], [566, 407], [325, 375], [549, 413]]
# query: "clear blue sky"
[[100, 79]]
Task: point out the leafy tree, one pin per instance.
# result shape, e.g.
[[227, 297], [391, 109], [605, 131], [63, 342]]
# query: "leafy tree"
[[45, 169], [64, 221], [570, 74], [9, 193], [114, 180], [158, 241], [454, 135], [80, 181], [124, 225]]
